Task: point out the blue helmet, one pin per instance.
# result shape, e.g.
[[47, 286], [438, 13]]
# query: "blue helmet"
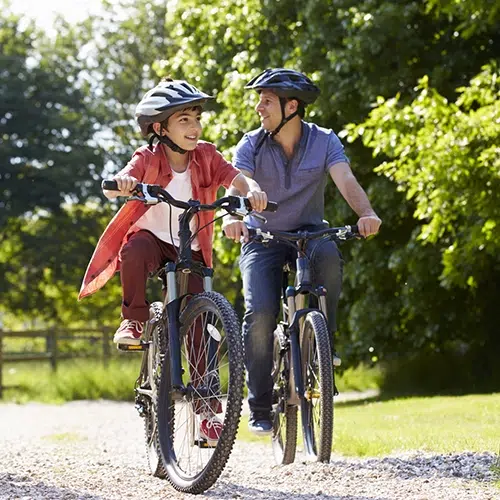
[[286, 83]]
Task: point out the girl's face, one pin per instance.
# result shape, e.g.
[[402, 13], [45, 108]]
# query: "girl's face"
[[184, 128]]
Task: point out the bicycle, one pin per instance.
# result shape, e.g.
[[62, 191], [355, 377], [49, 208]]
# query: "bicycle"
[[303, 354], [192, 359]]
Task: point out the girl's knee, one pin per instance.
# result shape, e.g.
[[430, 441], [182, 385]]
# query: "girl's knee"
[[137, 247]]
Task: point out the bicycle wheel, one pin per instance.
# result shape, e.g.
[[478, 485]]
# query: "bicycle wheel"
[[212, 361], [154, 333], [284, 438], [317, 401]]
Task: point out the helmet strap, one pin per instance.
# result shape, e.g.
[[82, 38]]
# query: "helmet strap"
[[283, 122], [164, 139]]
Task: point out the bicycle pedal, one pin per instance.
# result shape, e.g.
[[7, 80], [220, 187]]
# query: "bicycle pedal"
[[143, 346], [314, 394], [201, 443]]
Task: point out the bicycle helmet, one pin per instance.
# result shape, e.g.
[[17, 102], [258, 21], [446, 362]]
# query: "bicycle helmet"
[[158, 104], [286, 84]]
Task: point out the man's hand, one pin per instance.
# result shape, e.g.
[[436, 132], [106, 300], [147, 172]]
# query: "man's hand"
[[126, 184], [258, 199], [235, 229], [368, 225]]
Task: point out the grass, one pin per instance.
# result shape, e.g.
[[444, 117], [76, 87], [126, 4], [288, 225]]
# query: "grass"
[[433, 424], [88, 379], [360, 378], [64, 437], [74, 380]]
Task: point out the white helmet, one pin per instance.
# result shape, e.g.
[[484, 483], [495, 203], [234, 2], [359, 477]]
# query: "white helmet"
[[164, 100]]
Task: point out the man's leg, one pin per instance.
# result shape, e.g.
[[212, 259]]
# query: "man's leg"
[[261, 269], [327, 266]]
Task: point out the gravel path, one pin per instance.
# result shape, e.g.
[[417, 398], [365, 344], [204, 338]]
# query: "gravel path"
[[95, 450]]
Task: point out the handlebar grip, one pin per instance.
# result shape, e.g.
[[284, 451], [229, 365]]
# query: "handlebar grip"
[[110, 185], [272, 206], [354, 229]]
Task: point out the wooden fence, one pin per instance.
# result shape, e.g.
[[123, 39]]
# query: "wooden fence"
[[100, 337]]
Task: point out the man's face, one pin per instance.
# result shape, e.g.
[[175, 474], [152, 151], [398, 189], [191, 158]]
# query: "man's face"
[[269, 109], [184, 128]]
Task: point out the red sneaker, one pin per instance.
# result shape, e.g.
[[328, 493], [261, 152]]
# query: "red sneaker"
[[210, 429], [129, 332]]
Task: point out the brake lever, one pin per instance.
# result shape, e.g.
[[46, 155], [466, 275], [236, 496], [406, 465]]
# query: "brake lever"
[[347, 233], [258, 216], [146, 198]]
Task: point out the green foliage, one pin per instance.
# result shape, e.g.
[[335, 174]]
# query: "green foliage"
[[47, 154], [473, 16], [444, 157]]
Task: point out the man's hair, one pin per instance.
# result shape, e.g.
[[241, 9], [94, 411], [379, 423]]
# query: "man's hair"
[[301, 107]]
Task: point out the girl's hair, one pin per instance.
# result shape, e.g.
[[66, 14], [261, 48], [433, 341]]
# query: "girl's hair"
[[198, 109]]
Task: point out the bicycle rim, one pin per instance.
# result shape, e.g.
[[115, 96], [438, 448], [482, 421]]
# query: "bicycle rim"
[[212, 359], [317, 400]]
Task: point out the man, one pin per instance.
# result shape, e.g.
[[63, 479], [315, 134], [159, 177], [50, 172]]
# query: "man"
[[290, 159]]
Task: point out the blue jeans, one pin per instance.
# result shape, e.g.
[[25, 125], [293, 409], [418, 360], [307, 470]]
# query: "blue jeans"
[[261, 270]]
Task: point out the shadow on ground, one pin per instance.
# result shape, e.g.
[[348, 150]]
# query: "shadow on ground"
[[16, 486], [241, 492]]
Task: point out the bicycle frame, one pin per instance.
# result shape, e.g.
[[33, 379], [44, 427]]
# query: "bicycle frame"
[[294, 296], [177, 292], [174, 277], [293, 312]]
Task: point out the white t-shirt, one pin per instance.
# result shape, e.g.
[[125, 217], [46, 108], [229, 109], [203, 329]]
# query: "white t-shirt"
[[157, 218]]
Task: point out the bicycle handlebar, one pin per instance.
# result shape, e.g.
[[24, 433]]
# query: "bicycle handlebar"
[[343, 233], [153, 194]]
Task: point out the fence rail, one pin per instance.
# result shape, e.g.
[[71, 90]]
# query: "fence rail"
[[52, 353]]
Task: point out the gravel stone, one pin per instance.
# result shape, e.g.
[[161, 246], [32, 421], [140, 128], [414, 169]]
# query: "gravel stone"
[[94, 450]]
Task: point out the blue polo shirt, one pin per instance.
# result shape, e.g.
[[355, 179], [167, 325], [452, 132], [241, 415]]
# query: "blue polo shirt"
[[298, 184]]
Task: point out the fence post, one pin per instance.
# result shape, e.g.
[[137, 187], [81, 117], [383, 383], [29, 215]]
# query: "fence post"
[[1, 363], [105, 347], [53, 350]]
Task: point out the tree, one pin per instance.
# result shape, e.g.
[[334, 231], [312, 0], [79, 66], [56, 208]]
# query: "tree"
[[445, 158], [51, 167]]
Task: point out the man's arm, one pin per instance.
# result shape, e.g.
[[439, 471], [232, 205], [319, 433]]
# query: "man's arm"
[[355, 196]]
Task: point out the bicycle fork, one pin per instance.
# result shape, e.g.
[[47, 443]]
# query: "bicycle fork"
[[296, 312], [173, 300], [296, 385]]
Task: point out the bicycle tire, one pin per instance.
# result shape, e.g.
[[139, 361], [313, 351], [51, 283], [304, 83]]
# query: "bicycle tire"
[[317, 400], [154, 332], [284, 437], [177, 434]]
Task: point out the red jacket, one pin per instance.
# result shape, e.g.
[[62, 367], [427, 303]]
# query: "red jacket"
[[209, 171]]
